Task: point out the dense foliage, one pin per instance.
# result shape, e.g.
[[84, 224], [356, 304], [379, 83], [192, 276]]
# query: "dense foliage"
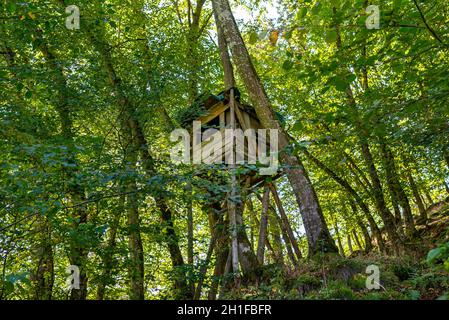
[[86, 177]]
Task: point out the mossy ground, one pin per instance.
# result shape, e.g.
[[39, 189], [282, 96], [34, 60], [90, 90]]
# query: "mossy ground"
[[331, 276]]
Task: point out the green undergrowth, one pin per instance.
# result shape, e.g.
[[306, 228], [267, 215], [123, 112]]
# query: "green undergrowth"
[[413, 276], [337, 278], [422, 274]]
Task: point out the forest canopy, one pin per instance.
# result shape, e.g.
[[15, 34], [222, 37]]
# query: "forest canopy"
[[92, 205]]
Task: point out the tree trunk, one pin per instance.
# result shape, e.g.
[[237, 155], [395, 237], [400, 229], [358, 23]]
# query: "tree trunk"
[[77, 251], [44, 276], [361, 224], [317, 232], [284, 236], [416, 195], [222, 246], [357, 240], [275, 232], [285, 221], [385, 214], [373, 225], [190, 235], [397, 190], [136, 264], [263, 226], [140, 145], [247, 257], [108, 262], [215, 231], [337, 233], [193, 35], [348, 237]]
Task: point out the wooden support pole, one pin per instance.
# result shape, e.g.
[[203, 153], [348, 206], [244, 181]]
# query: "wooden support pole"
[[263, 226]]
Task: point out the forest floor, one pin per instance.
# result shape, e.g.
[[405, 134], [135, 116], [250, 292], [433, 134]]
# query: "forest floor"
[[409, 276]]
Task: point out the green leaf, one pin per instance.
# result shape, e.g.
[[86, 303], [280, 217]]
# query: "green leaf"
[[351, 78], [414, 294], [339, 83], [9, 287], [297, 126], [28, 94], [287, 65], [302, 13], [331, 36], [253, 37], [434, 254], [12, 7]]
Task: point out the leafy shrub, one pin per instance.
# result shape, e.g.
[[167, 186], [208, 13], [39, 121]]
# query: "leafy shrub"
[[403, 271], [337, 290], [439, 257], [358, 282], [388, 279]]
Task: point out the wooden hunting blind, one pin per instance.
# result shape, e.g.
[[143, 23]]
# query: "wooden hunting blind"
[[216, 113]]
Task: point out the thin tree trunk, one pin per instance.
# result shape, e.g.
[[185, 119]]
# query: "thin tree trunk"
[[222, 248], [385, 214], [233, 201], [348, 237], [190, 235], [373, 225], [140, 145], [204, 266], [274, 231], [285, 221], [285, 237], [108, 261], [397, 190], [337, 233], [361, 224], [357, 240], [77, 251], [257, 222], [416, 195], [263, 226], [44, 275], [136, 265], [247, 257], [193, 36]]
